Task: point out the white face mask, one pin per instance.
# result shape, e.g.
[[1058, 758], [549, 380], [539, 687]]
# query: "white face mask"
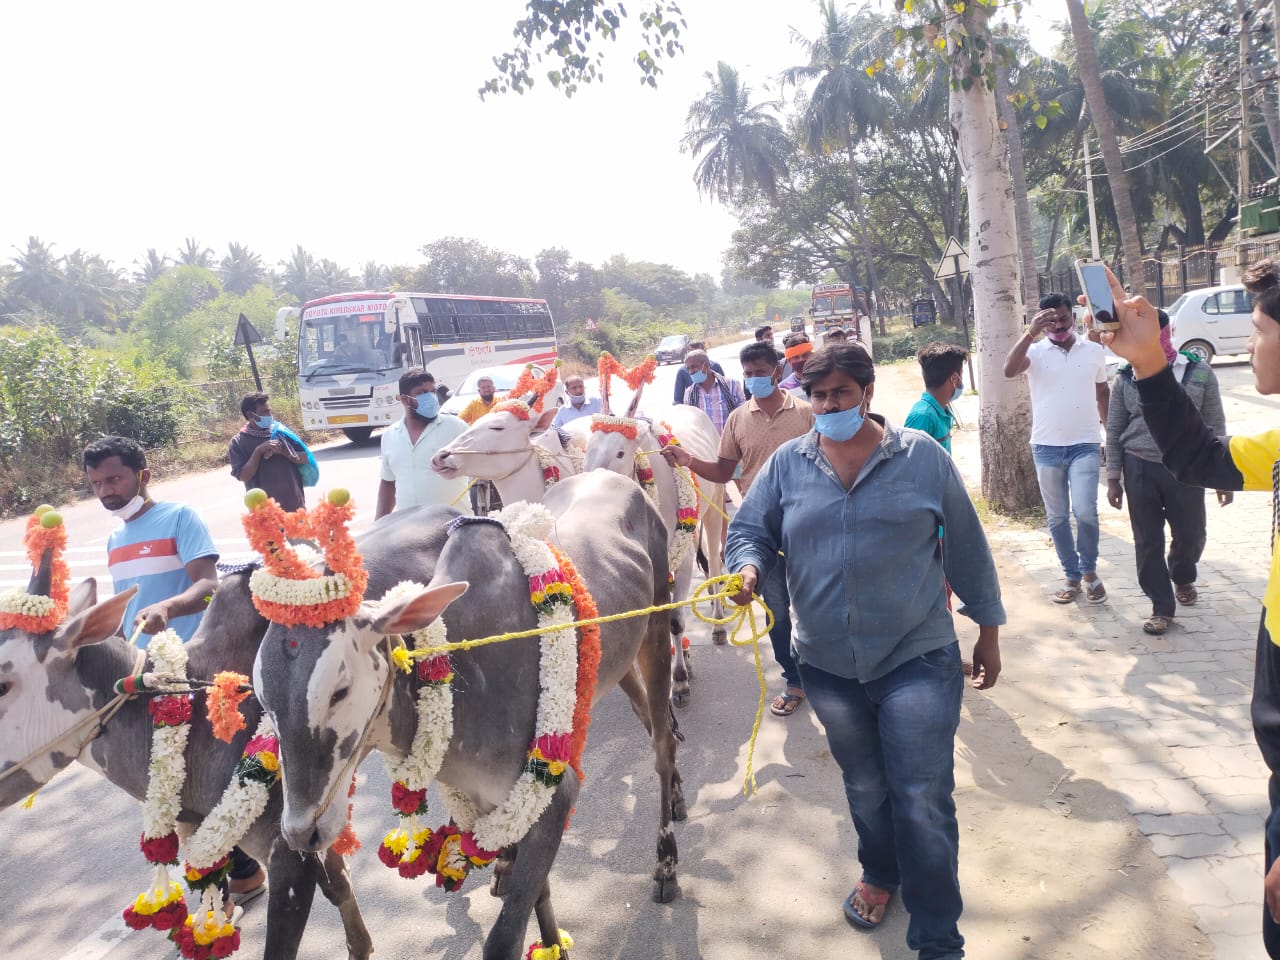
[[130, 509]]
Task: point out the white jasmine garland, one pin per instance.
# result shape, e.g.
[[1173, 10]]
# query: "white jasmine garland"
[[18, 601], [686, 498], [268, 586], [238, 809], [167, 769]]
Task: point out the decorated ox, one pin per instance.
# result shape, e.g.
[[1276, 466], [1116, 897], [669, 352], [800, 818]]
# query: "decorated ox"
[[628, 445], [481, 721], [58, 703]]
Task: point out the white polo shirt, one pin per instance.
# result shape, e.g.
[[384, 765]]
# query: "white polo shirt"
[[1064, 399], [408, 464]]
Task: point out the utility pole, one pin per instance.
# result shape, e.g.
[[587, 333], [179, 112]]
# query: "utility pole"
[[1242, 188], [1088, 189]]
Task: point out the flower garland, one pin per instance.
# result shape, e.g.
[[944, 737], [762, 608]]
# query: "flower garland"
[[402, 849], [686, 514], [549, 465], [588, 659], [538, 952], [607, 423], [287, 589], [550, 592], [644, 475], [642, 372], [529, 383], [32, 613], [222, 704]]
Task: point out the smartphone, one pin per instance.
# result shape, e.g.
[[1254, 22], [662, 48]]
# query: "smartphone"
[[1097, 294]]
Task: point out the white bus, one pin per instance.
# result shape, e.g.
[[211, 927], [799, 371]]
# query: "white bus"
[[352, 348]]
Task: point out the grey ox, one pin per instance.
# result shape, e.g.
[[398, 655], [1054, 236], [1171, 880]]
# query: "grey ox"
[[51, 686], [325, 687]]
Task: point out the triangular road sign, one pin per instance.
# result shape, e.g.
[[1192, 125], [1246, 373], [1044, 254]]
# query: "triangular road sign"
[[954, 261], [954, 249], [246, 332]]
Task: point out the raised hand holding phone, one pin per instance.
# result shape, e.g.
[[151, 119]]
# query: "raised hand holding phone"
[[1095, 280], [1136, 335]]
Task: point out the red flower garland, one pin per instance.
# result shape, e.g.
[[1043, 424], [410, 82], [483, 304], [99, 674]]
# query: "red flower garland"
[[588, 659]]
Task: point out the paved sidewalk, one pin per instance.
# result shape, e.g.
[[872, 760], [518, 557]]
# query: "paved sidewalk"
[[1168, 715]]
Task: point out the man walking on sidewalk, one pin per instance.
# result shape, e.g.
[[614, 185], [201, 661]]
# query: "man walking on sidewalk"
[[1068, 380], [1156, 496]]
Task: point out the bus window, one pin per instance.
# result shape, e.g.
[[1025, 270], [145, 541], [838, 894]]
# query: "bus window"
[[413, 348]]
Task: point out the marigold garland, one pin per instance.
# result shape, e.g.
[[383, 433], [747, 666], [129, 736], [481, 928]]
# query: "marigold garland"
[[588, 658], [31, 613], [538, 952], [642, 372], [288, 590], [222, 704], [607, 423], [517, 408], [530, 383]]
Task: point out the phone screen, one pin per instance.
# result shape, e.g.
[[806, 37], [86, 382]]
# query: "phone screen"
[[1097, 290]]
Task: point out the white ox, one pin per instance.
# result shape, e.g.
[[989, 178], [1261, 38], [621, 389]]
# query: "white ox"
[[624, 451]]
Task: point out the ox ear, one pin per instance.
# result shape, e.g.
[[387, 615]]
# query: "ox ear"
[[83, 596], [417, 612], [543, 423], [100, 621]]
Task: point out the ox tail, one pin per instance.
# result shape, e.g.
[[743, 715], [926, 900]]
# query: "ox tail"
[[701, 556]]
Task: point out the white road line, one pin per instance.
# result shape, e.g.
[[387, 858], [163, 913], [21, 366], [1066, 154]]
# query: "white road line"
[[101, 942]]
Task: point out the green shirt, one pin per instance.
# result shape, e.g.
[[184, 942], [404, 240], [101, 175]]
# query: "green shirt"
[[933, 418]]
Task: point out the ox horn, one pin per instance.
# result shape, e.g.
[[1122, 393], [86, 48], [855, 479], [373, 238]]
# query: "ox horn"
[[635, 401], [42, 576]]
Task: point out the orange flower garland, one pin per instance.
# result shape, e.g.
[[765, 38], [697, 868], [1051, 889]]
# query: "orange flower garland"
[[222, 704], [339, 595], [45, 533], [642, 372], [588, 658], [604, 423], [528, 383]]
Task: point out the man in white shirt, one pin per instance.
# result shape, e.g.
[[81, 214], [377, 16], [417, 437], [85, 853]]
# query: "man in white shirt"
[[1068, 380], [406, 478], [579, 405]]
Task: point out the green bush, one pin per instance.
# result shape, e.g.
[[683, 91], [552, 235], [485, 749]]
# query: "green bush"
[[906, 346]]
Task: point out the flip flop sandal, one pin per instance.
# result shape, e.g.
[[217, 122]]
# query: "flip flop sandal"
[[880, 898], [1156, 624], [785, 704], [1187, 594], [1068, 593], [1094, 591], [246, 897]]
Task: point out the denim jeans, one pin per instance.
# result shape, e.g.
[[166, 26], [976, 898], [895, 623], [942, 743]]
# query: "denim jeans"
[[894, 739], [778, 598], [1069, 485]]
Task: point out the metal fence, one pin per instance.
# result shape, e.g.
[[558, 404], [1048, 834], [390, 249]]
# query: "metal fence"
[[1167, 277]]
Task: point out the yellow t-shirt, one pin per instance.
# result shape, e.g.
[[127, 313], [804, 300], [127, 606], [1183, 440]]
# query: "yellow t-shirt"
[[476, 409], [1257, 459]]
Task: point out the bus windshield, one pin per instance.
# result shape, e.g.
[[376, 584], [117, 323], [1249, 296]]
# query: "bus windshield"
[[821, 305], [345, 343], [844, 303]]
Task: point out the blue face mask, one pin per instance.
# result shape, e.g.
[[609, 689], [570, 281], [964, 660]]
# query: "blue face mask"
[[427, 405], [264, 422], [699, 377], [959, 392], [761, 387], [841, 425]]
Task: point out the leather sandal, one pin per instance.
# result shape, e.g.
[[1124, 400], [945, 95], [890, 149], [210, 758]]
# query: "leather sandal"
[[1156, 624], [1094, 591], [1186, 593]]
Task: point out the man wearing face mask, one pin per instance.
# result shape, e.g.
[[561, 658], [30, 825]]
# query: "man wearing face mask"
[[1069, 397], [266, 459], [796, 349], [579, 404], [406, 479], [942, 365], [857, 505], [751, 434]]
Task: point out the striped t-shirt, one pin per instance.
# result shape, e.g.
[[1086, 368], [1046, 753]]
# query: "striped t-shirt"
[[153, 551]]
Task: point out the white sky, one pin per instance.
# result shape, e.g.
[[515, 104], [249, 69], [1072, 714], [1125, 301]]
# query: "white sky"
[[355, 130]]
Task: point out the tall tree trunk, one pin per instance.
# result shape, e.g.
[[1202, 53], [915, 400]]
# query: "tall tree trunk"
[[860, 214], [1091, 80], [1021, 202], [1004, 418]]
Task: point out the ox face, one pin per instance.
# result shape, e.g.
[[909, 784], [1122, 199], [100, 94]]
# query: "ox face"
[[607, 450], [493, 447], [323, 689], [42, 697]]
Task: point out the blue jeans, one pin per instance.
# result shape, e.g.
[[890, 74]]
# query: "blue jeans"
[[778, 598], [1069, 484], [894, 739]]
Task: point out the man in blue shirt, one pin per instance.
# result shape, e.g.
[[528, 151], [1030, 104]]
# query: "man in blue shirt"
[[942, 365], [683, 378], [579, 405]]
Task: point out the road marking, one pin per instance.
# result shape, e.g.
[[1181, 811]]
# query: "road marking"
[[101, 942]]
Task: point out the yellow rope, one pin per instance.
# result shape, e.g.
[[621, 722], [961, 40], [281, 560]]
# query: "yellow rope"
[[454, 501], [708, 502], [729, 584]]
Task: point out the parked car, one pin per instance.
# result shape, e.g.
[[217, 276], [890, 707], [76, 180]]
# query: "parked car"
[[672, 348], [1212, 321], [503, 377]]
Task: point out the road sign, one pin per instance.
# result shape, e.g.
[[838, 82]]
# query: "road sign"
[[246, 332], [954, 261]]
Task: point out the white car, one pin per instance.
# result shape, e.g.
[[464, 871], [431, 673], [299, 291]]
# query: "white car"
[[1213, 321], [503, 377]]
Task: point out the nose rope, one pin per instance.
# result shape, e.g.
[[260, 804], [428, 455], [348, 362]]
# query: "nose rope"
[[475, 480]]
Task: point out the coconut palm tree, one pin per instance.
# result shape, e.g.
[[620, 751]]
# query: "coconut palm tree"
[[374, 276], [742, 145], [1104, 123], [843, 107], [150, 268], [297, 275], [90, 292], [332, 278], [194, 254], [241, 269], [39, 277]]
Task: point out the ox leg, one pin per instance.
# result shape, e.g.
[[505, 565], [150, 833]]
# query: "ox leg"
[[713, 527], [681, 670], [335, 883], [528, 883], [502, 871], [633, 687], [291, 888], [655, 673], [548, 929]]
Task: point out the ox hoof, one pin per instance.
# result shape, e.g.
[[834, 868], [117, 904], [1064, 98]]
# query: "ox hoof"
[[664, 891], [680, 699], [719, 637], [679, 810]]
